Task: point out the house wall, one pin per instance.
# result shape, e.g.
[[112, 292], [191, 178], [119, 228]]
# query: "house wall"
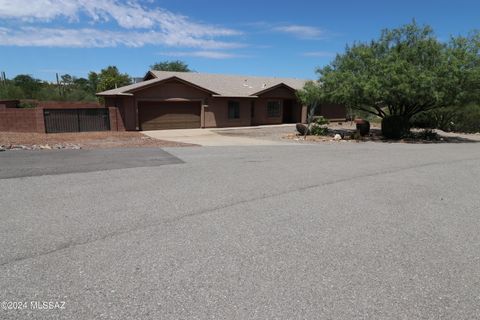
[[215, 109], [125, 112], [332, 111], [280, 93], [216, 114]]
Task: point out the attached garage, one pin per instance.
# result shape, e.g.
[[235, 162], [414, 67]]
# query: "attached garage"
[[158, 115]]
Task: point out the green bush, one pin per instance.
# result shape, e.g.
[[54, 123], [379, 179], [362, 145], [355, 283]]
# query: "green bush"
[[321, 121], [460, 119], [394, 127], [468, 120], [319, 126], [318, 130], [442, 119]]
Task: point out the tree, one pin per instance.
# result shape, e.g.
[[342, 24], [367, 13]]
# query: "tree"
[[93, 81], [176, 65], [29, 85], [66, 79], [405, 72], [310, 96], [110, 78], [10, 91]]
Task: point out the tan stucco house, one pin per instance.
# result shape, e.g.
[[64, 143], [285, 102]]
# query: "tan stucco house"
[[177, 100]]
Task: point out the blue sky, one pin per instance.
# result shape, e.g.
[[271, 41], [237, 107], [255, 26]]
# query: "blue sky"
[[271, 38]]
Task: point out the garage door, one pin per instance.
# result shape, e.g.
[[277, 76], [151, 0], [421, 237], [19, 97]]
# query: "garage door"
[[168, 115]]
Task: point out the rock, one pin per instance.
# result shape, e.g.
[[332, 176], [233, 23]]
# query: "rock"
[[302, 129], [337, 137], [2, 148], [363, 127]]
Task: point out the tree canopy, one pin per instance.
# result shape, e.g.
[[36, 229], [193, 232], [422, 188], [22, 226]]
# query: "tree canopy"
[[69, 88], [404, 72], [110, 78], [176, 65]]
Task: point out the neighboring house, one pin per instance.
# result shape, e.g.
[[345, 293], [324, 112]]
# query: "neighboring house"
[[177, 100]]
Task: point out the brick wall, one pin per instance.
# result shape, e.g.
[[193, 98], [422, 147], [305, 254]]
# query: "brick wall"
[[32, 120], [20, 120]]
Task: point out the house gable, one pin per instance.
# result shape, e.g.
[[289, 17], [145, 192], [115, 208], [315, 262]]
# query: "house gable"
[[279, 91], [172, 89]]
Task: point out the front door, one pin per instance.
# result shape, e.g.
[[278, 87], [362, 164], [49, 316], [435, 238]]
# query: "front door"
[[288, 111]]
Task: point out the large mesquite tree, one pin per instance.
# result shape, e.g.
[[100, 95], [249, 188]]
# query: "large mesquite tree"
[[404, 72]]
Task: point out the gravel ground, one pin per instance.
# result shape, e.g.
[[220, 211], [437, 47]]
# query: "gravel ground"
[[86, 140], [289, 133]]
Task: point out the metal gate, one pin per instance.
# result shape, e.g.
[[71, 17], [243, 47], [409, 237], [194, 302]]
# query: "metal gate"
[[76, 120]]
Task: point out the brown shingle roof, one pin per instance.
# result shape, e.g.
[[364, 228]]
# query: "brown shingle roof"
[[218, 84]]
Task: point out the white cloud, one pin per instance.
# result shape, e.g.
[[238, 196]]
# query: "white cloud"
[[303, 32], [137, 25], [203, 54], [319, 54], [87, 37]]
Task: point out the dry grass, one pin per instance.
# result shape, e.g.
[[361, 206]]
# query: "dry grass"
[[87, 140]]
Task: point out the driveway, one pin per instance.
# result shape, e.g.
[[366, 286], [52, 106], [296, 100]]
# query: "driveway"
[[242, 136], [327, 231]]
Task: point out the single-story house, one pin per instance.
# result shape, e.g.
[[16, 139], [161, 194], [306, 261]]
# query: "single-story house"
[[178, 100]]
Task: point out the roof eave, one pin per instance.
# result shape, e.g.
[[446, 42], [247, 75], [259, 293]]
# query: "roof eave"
[[282, 84], [233, 96], [106, 94]]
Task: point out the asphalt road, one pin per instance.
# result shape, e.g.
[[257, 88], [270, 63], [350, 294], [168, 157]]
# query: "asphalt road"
[[331, 231], [17, 164]]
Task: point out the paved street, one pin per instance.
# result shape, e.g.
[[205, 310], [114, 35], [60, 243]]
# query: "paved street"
[[327, 231]]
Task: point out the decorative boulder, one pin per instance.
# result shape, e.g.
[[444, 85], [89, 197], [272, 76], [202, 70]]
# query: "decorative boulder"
[[302, 129], [363, 127]]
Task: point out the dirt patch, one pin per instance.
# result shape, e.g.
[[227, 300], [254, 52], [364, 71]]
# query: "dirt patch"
[[84, 140]]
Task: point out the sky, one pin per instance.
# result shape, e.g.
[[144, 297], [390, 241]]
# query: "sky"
[[262, 37]]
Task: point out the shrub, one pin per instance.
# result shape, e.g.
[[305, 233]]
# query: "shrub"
[[318, 130], [461, 119], [394, 127], [442, 119], [319, 126], [321, 121], [467, 119]]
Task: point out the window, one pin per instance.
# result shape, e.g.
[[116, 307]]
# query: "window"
[[273, 109], [233, 110]]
